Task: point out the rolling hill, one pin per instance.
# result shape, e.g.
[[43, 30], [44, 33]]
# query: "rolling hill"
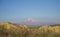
[[8, 29]]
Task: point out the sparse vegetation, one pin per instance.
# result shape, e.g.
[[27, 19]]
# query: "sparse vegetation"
[[10, 30]]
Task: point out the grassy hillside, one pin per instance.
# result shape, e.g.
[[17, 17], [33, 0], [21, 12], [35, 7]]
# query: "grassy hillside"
[[8, 29]]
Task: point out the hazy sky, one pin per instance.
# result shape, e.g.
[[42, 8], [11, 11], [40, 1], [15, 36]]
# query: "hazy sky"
[[18, 10]]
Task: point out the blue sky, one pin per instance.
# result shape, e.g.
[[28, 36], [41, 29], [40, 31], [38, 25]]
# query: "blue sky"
[[18, 10]]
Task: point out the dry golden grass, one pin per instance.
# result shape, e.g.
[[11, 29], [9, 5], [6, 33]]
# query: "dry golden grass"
[[10, 30]]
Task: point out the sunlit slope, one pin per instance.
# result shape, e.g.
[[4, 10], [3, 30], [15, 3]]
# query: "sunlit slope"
[[9, 25], [8, 29], [50, 28], [12, 29]]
